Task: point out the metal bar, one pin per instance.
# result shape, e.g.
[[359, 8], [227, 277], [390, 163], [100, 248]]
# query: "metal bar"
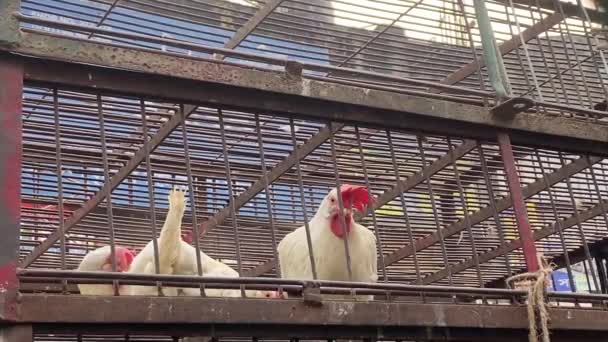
[[401, 190], [250, 25], [59, 168], [465, 211], [505, 48], [296, 151], [493, 59], [270, 176], [107, 190], [162, 133], [258, 313], [11, 92], [557, 222], [517, 244], [373, 212], [487, 212], [267, 192], [338, 184], [191, 189], [495, 213], [151, 197], [339, 102], [233, 214], [50, 51], [519, 206]]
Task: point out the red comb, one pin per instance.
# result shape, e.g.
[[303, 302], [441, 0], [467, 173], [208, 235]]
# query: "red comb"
[[188, 237], [355, 196], [125, 255]]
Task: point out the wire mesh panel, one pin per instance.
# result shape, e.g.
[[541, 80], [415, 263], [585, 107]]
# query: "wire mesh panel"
[[441, 215]]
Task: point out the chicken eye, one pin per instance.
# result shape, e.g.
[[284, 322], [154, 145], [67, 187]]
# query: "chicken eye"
[[333, 200]]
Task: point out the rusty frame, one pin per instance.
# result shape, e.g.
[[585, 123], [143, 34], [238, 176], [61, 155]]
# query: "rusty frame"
[[518, 204], [212, 83], [11, 88]]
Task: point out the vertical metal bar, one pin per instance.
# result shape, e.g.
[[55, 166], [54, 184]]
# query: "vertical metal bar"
[[231, 197], [340, 204], [495, 214], [482, 83], [373, 212], [58, 167], [492, 57], [11, 92], [108, 195], [429, 186], [406, 217], [195, 228], [273, 232], [465, 209], [151, 196], [598, 191], [519, 206], [558, 222], [294, 142], [577, 215]]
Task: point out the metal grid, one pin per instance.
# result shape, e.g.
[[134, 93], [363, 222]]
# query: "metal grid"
[[437, 175], [449, 208]]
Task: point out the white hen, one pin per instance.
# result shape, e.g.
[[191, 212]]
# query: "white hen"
[[328, 245]]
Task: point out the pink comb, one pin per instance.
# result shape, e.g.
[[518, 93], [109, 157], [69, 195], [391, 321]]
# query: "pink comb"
[[355, 196]]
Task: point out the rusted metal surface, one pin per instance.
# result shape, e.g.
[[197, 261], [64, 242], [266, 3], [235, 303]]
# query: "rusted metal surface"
[[16, 333], [76, 309], [519, 206], [9, 26], [487, 212], [11, 92], [316, 99], [508, 109]]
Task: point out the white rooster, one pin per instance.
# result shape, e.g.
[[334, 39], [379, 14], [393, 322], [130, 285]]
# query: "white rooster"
[[101, 260], [178, 257], [328, 245]]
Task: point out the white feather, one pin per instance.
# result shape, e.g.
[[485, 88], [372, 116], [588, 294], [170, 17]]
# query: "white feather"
[[328, 251]]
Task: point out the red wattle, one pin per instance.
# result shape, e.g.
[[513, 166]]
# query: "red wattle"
[[336, 225]]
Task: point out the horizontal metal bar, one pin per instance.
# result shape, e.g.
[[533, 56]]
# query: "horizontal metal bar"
[[59, 274], [187, 310], [233, 53], [248, 89]]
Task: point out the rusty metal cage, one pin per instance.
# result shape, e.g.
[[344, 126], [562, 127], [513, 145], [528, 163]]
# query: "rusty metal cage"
[[259, 109]]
